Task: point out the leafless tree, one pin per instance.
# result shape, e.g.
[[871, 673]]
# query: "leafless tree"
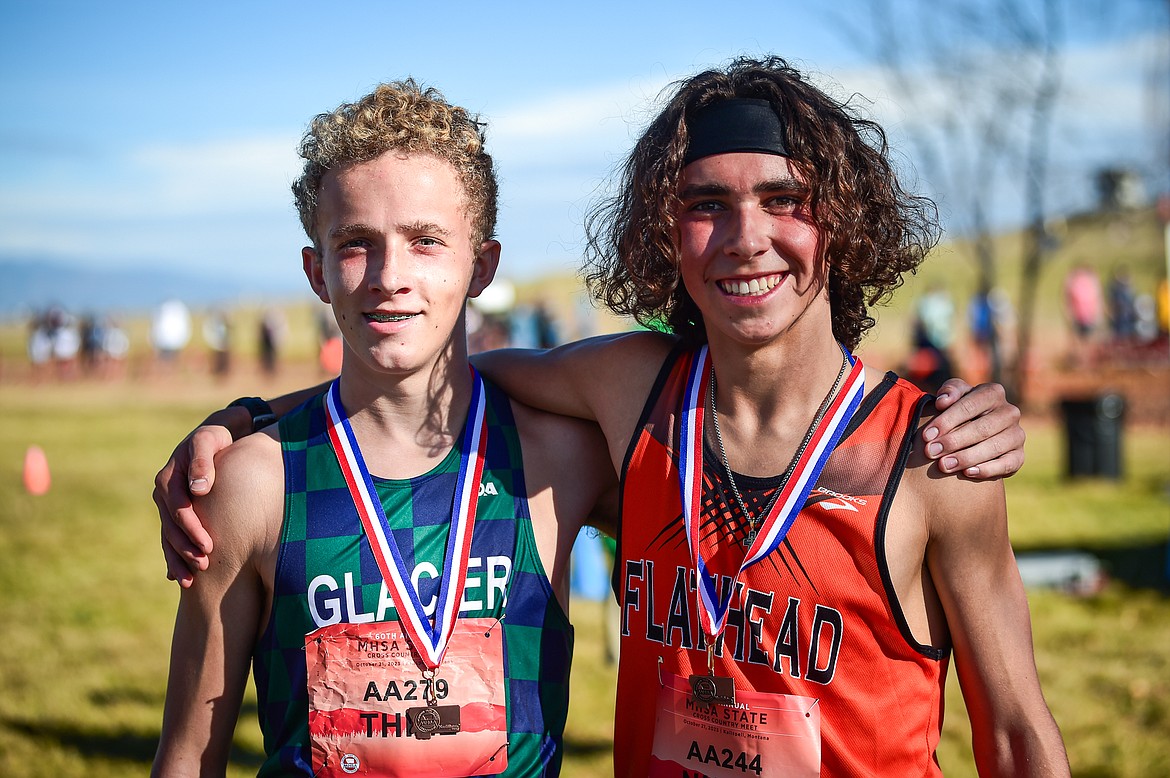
[[980, 82]]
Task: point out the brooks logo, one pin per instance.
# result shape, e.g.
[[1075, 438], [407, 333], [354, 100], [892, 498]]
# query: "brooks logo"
[[843, 502]]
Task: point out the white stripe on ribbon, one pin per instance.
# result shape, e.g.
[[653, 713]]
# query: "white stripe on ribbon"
[[690, 460], [430, 642]]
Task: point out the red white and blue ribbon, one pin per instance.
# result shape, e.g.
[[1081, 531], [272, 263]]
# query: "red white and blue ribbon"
[[785, 508], [429, 639]]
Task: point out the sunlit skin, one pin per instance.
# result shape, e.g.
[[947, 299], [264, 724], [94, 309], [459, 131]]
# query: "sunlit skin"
[[749, 255], [749, 249], [396, 261], [752, 258], [745, 218]]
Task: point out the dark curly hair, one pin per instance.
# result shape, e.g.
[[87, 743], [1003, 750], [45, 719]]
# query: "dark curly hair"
[[399, 116], [873, 231]]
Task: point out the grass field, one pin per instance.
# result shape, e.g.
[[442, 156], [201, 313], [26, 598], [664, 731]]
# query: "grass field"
[[87, 612]]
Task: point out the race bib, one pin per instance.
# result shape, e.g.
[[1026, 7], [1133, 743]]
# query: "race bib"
[[759, 735], [366, 692]]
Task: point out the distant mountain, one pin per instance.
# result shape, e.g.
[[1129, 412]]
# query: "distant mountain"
[[28, 285]]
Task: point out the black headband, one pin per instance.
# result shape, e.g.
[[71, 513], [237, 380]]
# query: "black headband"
[[735, 124]]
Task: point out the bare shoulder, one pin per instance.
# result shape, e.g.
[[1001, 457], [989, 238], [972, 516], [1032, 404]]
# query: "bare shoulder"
[[246, 503], [954, 508], [943, 535], [633, 353]]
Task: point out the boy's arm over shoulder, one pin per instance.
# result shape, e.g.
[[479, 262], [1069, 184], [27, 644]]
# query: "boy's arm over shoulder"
[[190, 471], [570, 483], [219, 617], [973, 570], [600, 379]]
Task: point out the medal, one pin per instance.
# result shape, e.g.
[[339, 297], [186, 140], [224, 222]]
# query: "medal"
[[428, 640], [710, 689], [433, 718], [763, 539]]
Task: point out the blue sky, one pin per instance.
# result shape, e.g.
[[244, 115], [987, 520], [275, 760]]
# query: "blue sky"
[[156, 134]]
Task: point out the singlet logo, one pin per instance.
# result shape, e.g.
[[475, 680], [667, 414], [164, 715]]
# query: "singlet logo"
[[843, 502], [486, 589], [487, 487]]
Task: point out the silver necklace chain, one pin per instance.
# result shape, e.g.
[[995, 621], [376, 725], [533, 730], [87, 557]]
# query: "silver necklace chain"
[[820, 414]]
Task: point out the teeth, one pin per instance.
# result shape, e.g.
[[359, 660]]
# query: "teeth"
[[753, 287], [388, 317]]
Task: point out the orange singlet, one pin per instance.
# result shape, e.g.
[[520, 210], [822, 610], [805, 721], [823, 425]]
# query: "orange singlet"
[[816, 619]]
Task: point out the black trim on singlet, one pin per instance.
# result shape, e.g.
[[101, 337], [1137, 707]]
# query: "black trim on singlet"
[[938, 653], [752, 485], [664, 371], [869, 402]]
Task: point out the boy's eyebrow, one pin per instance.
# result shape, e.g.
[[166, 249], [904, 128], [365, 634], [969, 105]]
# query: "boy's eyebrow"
[[428, 227], [352, 230], [344, 231], [786, 184], [695, 191]]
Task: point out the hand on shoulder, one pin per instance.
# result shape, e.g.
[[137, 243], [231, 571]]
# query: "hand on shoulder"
[[246, 505], [977, 433], [955, 506]]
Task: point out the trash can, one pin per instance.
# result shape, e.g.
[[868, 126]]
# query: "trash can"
[[1093, 435]]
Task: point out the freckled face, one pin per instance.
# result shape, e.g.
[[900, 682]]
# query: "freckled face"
[[396, 261], [748, 247]]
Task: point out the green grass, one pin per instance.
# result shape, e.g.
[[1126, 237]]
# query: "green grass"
[[87, 612]]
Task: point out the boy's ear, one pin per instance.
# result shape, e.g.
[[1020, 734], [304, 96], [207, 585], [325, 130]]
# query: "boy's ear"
[[315, 272], [487, 259]]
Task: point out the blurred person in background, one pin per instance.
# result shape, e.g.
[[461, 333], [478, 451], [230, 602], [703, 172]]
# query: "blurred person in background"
[[1123, 309], [1083, 306], [217, 334], [39, 345], [272, 330], [170, 330], [1162, 306], [930, 361]]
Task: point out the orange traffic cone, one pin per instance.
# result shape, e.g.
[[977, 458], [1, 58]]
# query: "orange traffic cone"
[[36, 471]]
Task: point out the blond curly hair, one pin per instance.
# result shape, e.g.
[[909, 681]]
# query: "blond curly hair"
[[399, 116]]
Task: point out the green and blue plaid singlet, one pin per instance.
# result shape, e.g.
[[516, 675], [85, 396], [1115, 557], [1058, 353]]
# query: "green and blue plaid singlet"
[[322, 536]]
